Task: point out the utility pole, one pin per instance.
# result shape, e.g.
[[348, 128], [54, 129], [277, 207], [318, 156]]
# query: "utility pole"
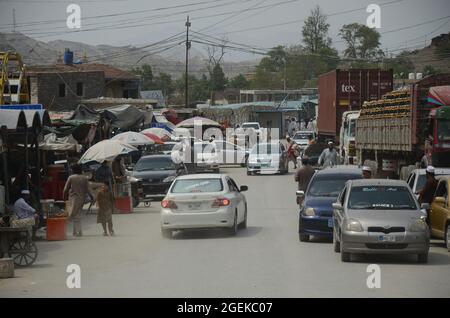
[[284, 81], [188, 46], [14, 20]]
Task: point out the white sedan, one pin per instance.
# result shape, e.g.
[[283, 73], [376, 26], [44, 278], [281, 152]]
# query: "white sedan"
[[203, 201]]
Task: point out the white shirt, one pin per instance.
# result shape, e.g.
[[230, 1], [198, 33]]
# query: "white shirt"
[[22, 209]]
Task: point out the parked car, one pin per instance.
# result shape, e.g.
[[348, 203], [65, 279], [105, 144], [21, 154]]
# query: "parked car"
[[231, 154], [203, 201], [156, 173], [379, 216], [316, 211], [268, 158], [417, 178], [301, 138], [207, 157], [439, 216]]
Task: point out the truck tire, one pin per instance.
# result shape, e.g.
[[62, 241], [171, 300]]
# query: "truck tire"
[[447, 237]]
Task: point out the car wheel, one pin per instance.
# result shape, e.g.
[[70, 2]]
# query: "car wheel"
[[345, 256], [135, 202], [303, 237], [243, 225], [336, 245], [422, 258], [233, 230], [447, 237], [248, 173], [166, 233]]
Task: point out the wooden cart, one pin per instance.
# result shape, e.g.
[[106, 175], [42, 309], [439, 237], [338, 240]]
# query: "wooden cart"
[[16, 243]]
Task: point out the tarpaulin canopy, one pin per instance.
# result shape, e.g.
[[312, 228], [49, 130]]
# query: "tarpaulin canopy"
[[160, 132], [52, 143], [439, 95], [84, 113], [124, 116]]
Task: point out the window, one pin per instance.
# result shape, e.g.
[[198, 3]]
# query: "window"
[[197, 186], [411, 180], [62, 90], [381, 198], [441, 190], [342, 198], [79, 89], [232, 185]]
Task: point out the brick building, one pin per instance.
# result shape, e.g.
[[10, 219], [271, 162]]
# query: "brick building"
[[62, 86]]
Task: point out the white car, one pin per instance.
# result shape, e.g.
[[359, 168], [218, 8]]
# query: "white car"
[[268, 158], [417, 178], [301, 138], [203, 201], [230, 154]]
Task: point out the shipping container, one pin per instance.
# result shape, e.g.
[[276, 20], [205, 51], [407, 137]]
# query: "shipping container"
[[343, 90]]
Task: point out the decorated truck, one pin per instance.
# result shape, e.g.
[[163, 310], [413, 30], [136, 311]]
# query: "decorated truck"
[[410, 126]]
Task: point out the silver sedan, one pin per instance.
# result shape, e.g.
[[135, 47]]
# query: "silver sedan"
[[379, 217]]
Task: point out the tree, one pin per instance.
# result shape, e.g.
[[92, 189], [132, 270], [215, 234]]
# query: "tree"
[[164, 83], [401, 65], [146, 75], [315, 31], [217, 80], [429, 70], [239, 82], [362, 41]]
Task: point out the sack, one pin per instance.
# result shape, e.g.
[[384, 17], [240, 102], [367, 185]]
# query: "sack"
[[26, 222]]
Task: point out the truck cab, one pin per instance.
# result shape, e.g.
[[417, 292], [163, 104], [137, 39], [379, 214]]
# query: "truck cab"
[[347, 148], [437, 144]]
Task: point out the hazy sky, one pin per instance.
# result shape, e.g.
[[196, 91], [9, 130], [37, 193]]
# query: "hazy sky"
[[141, 22]]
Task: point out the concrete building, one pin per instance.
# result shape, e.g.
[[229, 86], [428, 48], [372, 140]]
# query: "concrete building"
[[63, 86]]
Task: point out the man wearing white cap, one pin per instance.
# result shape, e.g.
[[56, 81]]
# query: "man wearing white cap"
[[367, 172], [427, 193], [329, 156]]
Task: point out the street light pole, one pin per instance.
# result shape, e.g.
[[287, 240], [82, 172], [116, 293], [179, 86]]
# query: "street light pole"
[[188, 46]]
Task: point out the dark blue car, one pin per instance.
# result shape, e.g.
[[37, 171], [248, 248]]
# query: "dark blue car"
[[316, 211]]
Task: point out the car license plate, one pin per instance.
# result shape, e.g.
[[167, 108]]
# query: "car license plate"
[[386, 238], [330, 223], [194, 206]]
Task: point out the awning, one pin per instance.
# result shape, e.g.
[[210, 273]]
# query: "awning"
[[53, 143], [16, 119]]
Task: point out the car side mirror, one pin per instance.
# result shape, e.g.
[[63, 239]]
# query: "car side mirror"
[[337, 206], [425, 206], [300, 194], [243, 188]]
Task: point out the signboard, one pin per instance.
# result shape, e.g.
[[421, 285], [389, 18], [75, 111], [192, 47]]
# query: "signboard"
[[23, 107]]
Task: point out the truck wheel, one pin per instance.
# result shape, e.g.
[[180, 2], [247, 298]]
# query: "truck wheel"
[[346, 257], [303, 237], [422, 258], [336, 245]]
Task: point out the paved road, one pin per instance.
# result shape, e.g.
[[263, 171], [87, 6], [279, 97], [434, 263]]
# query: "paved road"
[[265, 260]]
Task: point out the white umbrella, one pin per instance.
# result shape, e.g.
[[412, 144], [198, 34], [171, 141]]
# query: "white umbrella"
[[189, 123], [106, 150], [160, 132], [133, 138]]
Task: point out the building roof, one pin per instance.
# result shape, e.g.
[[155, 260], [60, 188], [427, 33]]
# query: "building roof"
[[109, 71]]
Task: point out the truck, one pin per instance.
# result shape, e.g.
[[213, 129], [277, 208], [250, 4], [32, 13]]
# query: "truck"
[[344, 90], [347, 149], [410, 126]]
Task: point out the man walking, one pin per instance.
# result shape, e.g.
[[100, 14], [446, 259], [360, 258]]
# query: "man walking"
[[329, 156], [304, 175], [427, 193]]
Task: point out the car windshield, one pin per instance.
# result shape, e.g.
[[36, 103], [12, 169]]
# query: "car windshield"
[[158, 163], [265, 149], [254, 126], [444, 130], [197, 186], [327, 187], [301, 135], [381, 198], [351, 130]]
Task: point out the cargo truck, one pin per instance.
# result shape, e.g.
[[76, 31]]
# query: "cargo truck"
[[407, 127], [347, 149], [346, 90]]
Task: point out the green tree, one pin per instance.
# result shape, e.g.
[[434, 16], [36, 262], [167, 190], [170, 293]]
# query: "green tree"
[[239, 82], [400, 64], [315, 31], [146, 75], [429, 70], [362, 41], [218, 80], [164, 83]]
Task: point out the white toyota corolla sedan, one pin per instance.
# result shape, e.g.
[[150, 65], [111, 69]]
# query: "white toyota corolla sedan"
[[203, 201]]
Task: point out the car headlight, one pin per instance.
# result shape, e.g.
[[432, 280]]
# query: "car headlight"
[[353, 225], [418, 226], [169, 179], [309, 212]]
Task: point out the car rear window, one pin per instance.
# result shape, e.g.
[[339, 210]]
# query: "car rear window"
[[329, 186], [381, 198], [197, 186]]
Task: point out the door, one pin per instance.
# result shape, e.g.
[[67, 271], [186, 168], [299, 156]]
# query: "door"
[[238, 197], [439, 210], [338, 215], [411, 180]]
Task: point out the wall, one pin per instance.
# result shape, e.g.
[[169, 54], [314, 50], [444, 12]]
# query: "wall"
[[44, 88]]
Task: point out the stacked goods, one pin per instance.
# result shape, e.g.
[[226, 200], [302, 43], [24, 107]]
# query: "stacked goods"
[[395, 104]]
